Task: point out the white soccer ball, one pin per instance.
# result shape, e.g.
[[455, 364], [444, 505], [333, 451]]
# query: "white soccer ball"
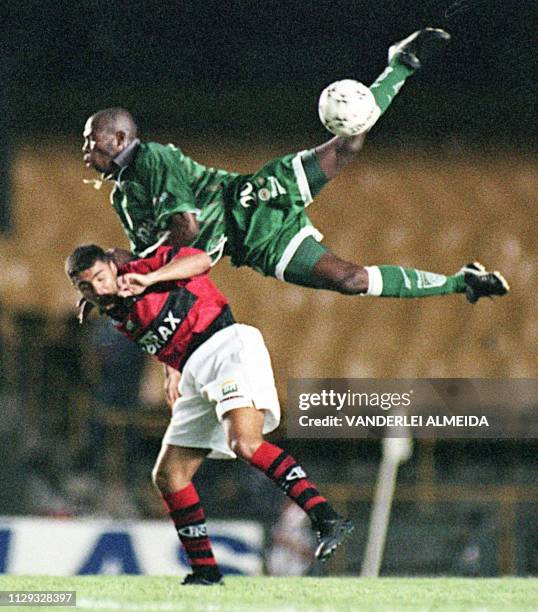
[[347, 108]]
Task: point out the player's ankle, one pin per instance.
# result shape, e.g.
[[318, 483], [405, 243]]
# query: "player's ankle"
[[397, 63], [322, 512], [210, 572]]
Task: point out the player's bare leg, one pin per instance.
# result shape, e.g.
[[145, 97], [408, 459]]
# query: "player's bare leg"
[[176, 466], [243, 428], [336, 153], [336, 274], [172, 476], [313, 266], [405, 57]]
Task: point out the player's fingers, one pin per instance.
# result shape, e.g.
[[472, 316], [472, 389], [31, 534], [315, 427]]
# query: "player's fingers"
[[169, 398], [135, 280], [127, 289], [127, 279], [123, 282], [171, 392]]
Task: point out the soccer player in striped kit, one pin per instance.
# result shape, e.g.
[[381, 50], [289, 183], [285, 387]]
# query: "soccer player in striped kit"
[[168, 305]]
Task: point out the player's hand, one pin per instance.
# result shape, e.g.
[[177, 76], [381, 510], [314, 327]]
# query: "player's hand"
[[171, 385], [83, 309], [132, 284]]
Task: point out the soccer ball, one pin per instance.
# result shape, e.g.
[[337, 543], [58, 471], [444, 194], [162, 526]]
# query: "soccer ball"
[[347, 108]]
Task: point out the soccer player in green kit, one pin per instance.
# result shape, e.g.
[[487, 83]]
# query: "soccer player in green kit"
[[259, 220]]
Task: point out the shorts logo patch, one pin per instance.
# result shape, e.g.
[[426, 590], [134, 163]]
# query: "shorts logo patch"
[[229, 386]]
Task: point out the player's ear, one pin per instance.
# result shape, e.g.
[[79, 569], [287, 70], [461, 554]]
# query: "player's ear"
[[121, 139]]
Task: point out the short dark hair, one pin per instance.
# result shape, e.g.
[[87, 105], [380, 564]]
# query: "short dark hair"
[[113, 119], [83, 258]]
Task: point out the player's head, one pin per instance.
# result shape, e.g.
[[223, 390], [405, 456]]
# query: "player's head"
[[94, 273], [106, 134]]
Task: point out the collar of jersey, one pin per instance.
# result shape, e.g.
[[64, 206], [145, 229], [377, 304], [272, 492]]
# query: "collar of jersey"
[[122, 161]]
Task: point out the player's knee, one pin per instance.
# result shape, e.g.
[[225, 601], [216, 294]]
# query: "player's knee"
[[167, 479], [245, 446], [160, 477]]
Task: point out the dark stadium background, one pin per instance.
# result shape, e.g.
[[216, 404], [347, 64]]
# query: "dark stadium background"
[[249, 73], [256, 68]]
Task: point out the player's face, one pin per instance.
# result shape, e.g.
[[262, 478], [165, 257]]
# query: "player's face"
[[100, 147], [99, 284]]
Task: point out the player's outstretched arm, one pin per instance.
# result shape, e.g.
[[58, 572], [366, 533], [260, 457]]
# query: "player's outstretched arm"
[[178, 269]]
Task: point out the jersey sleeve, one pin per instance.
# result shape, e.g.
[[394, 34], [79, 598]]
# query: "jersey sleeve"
[[184, 252], [162, 256], [168, 185]]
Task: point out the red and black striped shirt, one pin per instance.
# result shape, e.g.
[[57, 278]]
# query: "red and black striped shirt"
[[171, 320]]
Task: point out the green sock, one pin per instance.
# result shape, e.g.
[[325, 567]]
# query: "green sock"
[[387, 85], [395, 281]]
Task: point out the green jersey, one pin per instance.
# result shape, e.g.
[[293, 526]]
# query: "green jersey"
[[262, 215], [160, 182]]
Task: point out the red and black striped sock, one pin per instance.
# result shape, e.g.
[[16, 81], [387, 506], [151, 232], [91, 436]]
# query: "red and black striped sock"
[[189, 520], [290, 477]]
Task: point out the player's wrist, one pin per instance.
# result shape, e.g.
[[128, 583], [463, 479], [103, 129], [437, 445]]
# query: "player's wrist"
[[151, 278]]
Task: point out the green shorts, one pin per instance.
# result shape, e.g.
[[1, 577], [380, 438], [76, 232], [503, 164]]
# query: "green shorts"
[[266, 220]]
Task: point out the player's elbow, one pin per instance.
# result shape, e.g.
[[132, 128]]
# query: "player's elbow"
[[190, 234], [184, 229], [205, 262], [201, 263], [182, 238]]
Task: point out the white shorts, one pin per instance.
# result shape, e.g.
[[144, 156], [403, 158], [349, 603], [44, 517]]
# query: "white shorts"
[[230, 370]]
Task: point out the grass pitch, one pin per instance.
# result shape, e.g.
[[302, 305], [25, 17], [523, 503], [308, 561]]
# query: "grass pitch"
[[288, 594]]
